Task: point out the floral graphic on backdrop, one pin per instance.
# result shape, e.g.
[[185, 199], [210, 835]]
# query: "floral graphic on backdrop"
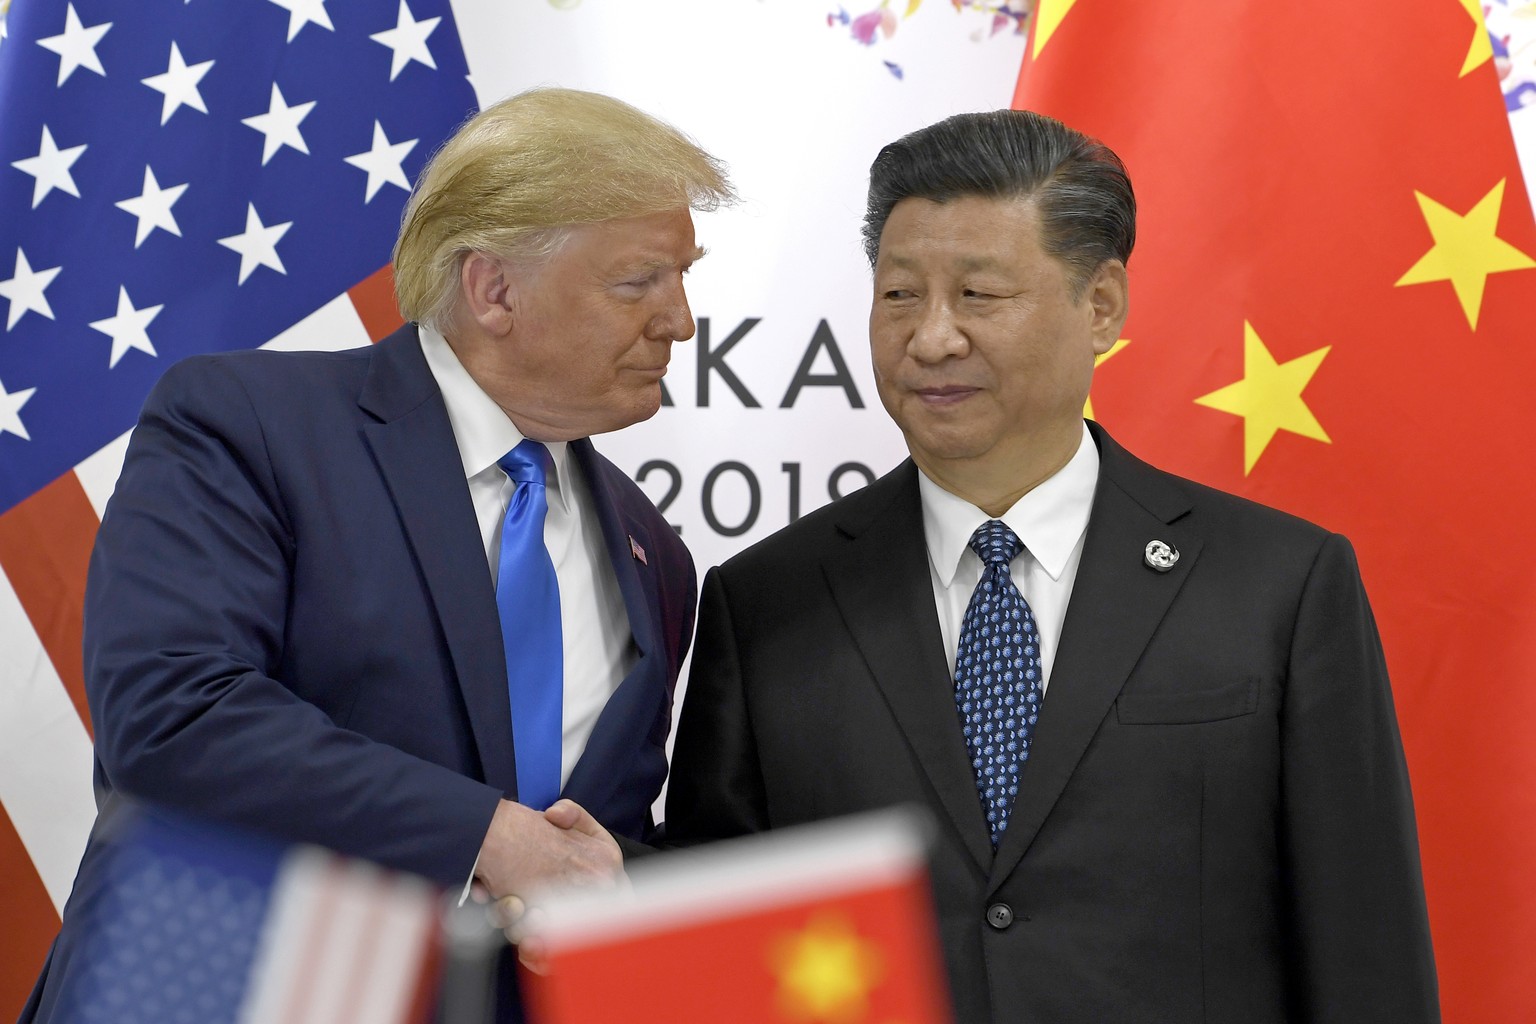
[[1010, 16], [1512, 27]]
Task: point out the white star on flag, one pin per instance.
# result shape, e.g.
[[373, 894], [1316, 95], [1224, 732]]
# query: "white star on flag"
[[257, 245], [280, 125], [178, 84], [25, 290], [51, 168], [127, 328], [408, 40], [76, 45], [382, 162], [305, 12], [153, 207], [10, 411]]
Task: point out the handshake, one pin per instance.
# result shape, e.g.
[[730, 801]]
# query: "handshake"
[[527, 851]]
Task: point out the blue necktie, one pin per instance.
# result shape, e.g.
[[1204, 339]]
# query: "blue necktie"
[[528, 602], [997, 675]]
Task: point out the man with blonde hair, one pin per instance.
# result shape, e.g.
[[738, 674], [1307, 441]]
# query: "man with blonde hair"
[[390, 600]]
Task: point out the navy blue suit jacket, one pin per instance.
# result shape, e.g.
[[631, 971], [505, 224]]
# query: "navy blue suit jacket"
[[290, 624]]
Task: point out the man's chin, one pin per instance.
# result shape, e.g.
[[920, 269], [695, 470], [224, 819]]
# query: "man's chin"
[[946, 445], [639, 406]]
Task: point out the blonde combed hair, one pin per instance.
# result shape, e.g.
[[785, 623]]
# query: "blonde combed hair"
[[522, 170]]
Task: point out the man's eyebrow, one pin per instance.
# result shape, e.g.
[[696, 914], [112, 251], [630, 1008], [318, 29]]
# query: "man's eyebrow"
[[965, 263], [979, 263], [699, 252]]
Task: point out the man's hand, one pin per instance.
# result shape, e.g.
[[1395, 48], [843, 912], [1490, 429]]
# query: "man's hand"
[[525, 850], [565, 846], [520, 923]]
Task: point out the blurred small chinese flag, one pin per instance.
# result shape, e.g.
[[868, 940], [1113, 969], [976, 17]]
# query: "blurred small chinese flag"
[[825, 923]]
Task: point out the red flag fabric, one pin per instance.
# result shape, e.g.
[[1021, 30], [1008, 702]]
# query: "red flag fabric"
[[1333, 303], [827, 923]]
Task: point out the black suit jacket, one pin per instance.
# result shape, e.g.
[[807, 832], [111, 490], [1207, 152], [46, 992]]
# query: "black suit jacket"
[[1215, 822], [290, 625]]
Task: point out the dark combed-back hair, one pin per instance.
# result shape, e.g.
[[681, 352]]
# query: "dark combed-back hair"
[[1079, 186]]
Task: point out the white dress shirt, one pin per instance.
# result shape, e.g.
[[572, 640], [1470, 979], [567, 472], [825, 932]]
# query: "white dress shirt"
[[596, 639], [1051, 520]]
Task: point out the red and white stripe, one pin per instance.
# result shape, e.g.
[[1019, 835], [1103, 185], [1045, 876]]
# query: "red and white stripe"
[[344, 942]]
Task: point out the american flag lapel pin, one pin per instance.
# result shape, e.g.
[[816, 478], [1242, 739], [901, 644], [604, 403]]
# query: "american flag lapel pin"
[[636, 550]]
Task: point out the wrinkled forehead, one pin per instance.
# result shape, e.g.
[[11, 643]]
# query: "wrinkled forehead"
[[967, 232], [638, 245]]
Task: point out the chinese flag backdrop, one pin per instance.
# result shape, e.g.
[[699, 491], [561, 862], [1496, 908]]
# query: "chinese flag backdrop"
[[1333, 310]]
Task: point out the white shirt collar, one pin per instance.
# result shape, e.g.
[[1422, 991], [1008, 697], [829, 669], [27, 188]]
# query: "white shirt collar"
[[482, 429], [1050, 519]]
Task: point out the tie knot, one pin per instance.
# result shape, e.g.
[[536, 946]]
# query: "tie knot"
[[528, 463], [995, 544]]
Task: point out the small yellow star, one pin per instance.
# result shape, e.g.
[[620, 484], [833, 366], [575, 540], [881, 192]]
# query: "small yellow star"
[[1268, 397], [826, 971], [1466, 250], [1048, 17], [1098, 361], [1481, 50]]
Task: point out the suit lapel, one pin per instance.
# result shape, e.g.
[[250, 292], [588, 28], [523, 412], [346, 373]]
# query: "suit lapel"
[[881, 584], [1117, 603], [413, 443], [616, 736]]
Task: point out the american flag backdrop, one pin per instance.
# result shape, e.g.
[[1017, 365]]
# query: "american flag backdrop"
[[176, 176]]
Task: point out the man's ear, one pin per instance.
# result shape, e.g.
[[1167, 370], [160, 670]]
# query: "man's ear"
[[1109, 299], [486, 288]]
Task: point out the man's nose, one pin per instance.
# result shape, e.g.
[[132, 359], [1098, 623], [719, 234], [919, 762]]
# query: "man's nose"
[[936, 335], [675, 321]]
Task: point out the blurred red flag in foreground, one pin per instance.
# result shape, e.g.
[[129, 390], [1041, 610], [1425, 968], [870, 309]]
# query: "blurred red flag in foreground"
[[1333, 302], [826, 923]]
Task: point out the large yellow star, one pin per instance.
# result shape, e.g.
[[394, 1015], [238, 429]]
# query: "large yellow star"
[[1481, 50], [826, 971], [1048, 16], [1098, 361], [1269, 397], [1466, 250]]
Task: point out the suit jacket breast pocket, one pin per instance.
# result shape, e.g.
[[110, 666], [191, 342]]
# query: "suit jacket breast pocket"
[[1210, 705]]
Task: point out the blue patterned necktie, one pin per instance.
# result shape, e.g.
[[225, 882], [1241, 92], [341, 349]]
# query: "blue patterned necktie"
[[528, 602], [997, 675]]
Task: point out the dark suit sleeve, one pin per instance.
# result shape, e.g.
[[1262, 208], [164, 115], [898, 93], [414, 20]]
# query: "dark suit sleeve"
[[188, 598], [716, 789], [1359, 926]]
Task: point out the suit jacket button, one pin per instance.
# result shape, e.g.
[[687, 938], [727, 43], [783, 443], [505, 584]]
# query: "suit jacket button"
[[1000, 916]]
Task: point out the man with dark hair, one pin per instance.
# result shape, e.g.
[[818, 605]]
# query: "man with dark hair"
[[1151, 720]]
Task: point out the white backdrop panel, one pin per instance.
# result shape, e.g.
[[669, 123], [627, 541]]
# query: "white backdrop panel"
[[798, 109]]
